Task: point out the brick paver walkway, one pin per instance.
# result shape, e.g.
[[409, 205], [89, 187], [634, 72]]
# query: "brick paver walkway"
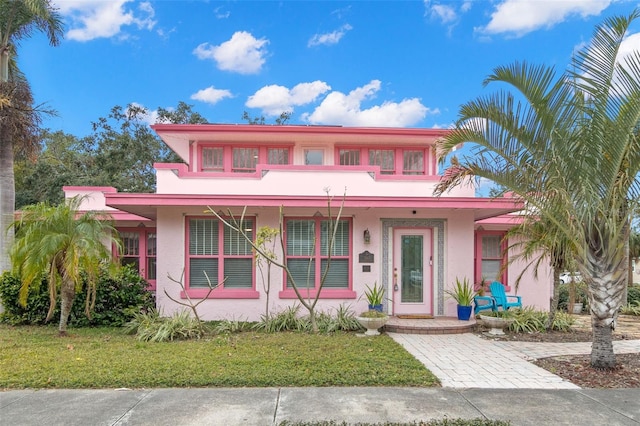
[[468, 361]]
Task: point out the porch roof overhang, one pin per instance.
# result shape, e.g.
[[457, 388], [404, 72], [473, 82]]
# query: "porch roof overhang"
[[179, 136], [146, 205]]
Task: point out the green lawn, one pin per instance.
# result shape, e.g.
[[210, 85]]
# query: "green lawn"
[[35, 357]]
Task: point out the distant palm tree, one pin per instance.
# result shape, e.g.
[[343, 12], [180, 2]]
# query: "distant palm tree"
[[536, 241], [634, 252], [64, 246], [19, 19], [568, 147]]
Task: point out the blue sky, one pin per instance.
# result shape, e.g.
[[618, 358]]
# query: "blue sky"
[[373, 63]]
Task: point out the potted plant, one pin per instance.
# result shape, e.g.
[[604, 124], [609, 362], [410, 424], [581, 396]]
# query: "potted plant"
[[578, 297], [374, 318], [372, 321], [463, 293], [497, 321], [375, 297]]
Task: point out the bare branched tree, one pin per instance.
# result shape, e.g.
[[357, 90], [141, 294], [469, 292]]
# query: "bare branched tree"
[[307, 300]]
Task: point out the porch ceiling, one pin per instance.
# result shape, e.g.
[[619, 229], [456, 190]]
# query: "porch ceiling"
[[146, 205]]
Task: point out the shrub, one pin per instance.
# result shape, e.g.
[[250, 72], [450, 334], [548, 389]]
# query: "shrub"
[[231, 326], [581, 295], [286, 320], [633, 295], [563, 321], [631, 309], [152, 327], [346, 319], [290, 320], [118, 297], [528, 320]]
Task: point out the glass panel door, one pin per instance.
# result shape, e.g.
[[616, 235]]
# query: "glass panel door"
[[412, 272], [412, 264]]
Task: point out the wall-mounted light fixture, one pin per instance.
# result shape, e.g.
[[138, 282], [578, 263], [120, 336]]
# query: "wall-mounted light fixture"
[[367, 236]]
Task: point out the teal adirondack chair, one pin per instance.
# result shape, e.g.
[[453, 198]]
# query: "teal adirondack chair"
[[502, 299], [484, 303]]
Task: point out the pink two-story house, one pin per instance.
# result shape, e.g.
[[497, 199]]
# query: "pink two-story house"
[[392, 231]]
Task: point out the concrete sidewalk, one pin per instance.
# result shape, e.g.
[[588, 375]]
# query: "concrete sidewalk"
[[272, 406]]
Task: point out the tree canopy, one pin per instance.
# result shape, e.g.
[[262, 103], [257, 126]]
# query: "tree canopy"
[[568, 146], [19, 19], [120, 152]]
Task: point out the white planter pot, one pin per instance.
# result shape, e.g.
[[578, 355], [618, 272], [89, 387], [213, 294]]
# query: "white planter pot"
[[495, 324], [577, 308], [372, 324]]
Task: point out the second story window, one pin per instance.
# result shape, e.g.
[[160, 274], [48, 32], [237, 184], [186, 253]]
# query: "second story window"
[[245, 160], [349, 157], [385, 158], [413, 163], [240, 159], [407, 161], [213, 159], [313, 157], [278, 156]]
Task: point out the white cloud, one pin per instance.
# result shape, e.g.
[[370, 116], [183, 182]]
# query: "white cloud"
[[445, 14], [211, 95], [220, 14], [338, 108], [329, 38], [274, 100], [91, 19], [519, 17], [630, 45], [243, 53]]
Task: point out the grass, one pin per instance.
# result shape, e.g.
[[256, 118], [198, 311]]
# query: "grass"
[[35, 357]]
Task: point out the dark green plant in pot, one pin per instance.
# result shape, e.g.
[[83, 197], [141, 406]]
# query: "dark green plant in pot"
[[375, 297], [462, 292]]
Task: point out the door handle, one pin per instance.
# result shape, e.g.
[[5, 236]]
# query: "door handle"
[[395, 279]]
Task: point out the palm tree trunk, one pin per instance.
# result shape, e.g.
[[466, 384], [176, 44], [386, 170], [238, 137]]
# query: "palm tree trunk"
[[607, 284], [7, 196], [67, 295], [553, 309]]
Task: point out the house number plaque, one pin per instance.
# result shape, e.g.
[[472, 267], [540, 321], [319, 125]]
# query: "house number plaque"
[[365, 257]]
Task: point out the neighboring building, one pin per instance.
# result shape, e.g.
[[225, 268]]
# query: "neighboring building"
[[392, 231]]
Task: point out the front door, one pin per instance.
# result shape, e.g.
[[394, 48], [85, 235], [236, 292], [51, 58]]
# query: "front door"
[[412, 272]]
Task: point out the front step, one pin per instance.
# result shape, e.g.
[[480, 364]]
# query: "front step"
[[437, 325]]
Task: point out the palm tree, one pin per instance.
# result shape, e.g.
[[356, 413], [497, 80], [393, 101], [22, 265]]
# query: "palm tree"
[[65, 246], [537, 241], [19, 19], [568, 147]]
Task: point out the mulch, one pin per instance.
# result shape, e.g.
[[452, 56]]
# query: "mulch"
[[577, 368]]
